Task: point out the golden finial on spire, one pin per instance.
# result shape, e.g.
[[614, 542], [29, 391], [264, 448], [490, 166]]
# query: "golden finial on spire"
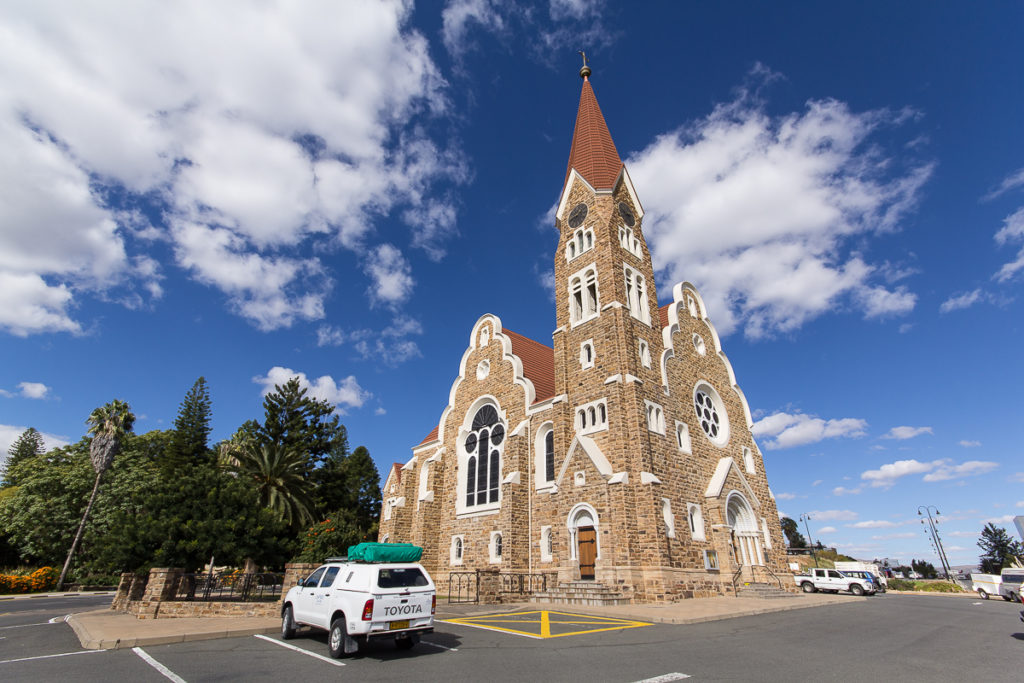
[[585, 71]]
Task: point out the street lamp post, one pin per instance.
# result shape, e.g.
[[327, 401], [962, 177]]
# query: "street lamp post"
[[806, 518], [936, 540]]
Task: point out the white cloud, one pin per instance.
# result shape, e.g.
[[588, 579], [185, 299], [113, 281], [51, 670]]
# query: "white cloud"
[[36, 390], [390, 275], [1004, 519], [936, 470], [816, 482], [873, 524], [901, 534], [459, 16], [1014, 180], [1020, 503], [763, 212], [827, 530], [347, 392], [903, 433], [785, 496], [969, 444], [274, 132], [798, 429], [843, 491], [965, 300], [327, 335], [1012, 231], [961, 534], [946, 470], [1017, 476], [10, 433], [834, 515]]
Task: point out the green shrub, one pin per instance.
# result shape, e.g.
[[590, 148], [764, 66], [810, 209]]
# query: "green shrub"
[[926, 586]]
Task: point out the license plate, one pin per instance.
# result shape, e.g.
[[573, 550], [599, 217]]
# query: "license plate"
[[399, 624]]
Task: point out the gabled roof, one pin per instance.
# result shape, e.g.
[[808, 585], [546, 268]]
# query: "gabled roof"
[[593, 153], [396, 470], [663, 314], [538, 367]]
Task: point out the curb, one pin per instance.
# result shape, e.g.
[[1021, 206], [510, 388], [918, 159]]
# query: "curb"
[[91, 642], [659, 619], [79, 594], [938, 593]]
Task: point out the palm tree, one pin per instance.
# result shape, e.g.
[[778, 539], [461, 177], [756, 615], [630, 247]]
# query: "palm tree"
[[277, 472], [109, 425]]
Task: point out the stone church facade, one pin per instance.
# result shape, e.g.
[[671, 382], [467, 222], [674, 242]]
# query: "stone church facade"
[[622, 454]]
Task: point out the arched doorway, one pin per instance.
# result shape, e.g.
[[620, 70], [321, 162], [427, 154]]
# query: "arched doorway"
[[746, 537], [583, 544]]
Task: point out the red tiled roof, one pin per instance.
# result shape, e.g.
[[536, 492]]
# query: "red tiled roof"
[[593, 153], [430, 437], [538, 363], [663, 314], [396, 469]]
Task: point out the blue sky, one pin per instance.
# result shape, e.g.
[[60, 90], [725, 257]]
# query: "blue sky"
[[246, 191]]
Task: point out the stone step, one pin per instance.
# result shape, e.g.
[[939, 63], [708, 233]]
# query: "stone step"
[[581, 593], [764, 591]]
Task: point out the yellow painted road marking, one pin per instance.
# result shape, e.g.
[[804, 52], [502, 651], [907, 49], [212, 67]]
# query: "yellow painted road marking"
[[545, 620]]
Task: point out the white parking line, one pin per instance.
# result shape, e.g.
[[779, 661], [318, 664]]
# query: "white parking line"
[[665, 678], [42, 623], [62, 654], [335, 662], [167, 673], [450, 649], [57, 620]]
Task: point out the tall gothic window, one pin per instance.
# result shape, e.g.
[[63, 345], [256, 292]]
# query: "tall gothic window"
[[583, 301], [636, 295], [483, 467], [549, 456]]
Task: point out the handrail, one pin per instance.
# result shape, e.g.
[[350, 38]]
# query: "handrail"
[[736, 575], [774, 576]]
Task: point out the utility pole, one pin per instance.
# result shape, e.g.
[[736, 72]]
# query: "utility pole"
[[936, 540], [806, 518]]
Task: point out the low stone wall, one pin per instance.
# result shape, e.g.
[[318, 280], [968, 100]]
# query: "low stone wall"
[[152, 598]]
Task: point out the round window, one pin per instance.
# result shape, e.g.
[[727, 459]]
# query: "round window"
[[711, 414]]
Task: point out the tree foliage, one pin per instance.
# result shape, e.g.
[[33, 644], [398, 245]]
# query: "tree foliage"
[[276, 474], [998, 549], [793, 536], [28, 445], [191, 426]]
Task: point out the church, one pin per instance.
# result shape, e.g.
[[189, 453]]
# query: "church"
[[620, 455]]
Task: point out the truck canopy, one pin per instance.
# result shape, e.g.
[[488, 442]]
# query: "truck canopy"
[[385, 552]]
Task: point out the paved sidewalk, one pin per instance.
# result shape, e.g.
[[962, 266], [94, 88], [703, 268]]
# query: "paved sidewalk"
[[106, 629]]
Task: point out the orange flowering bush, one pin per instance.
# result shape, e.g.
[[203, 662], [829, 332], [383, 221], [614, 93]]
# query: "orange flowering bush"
[[42, 579], [330, 537]]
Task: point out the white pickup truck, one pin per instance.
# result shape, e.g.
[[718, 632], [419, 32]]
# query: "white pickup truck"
[[356, 601], [1006, 584], [832, 581]]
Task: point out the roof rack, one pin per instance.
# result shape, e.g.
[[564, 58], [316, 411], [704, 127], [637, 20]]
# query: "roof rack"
[[337, 559]]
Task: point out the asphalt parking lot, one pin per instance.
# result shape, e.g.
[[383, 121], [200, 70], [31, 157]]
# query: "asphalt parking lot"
[[909, 638]]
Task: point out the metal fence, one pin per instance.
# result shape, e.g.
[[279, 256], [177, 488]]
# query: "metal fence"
[[229, 587], [463, 587], [523, 583]]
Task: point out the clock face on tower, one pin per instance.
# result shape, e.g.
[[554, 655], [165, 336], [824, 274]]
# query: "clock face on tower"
[[627, 214], [579, 212]]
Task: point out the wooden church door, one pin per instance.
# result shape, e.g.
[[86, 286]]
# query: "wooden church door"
[[587, 551]]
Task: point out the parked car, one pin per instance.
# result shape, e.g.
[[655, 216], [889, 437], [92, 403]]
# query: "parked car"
[[832, 581], [355, 601], [1006, 584], [867, 576], [876, 570]]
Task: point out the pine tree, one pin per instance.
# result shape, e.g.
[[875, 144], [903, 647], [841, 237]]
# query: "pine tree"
[[999, 549], [191, 426], [28, 445], [363, 482], [793, 535]]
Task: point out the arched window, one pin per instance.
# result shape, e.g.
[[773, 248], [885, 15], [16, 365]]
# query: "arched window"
[[587, 354], [483, 464], [549, 456], [458, 548], [497, 545], [583, 298], [636, 295]]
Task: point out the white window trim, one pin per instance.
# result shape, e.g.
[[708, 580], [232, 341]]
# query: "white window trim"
[[592, 413], [492, 548], [683, 438], [582, 276], [644, 349], [570, 524], [461, 509], [539, 453], [748, 460], [723, 427], [579, 244], [670, 519], [636, 294], [545, 536], [584, 364], [629, 241], [707, 563], [655, 417], [452, 559], [695, 520]]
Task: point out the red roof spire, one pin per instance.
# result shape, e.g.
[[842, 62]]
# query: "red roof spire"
[[593, 153]]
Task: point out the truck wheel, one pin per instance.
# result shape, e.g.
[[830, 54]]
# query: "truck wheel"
[[287, 623], [857, 589], [1006, 597], [808, 587], [336, 638], [406, 643], [1014, 597], [982, 594]]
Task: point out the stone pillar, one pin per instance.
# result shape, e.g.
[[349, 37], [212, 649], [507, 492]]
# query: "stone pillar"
[[490, 586], [293, 573], [120, 602], [160, 588]]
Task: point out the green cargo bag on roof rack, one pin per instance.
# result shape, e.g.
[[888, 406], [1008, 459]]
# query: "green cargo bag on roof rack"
[[385, 552]]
